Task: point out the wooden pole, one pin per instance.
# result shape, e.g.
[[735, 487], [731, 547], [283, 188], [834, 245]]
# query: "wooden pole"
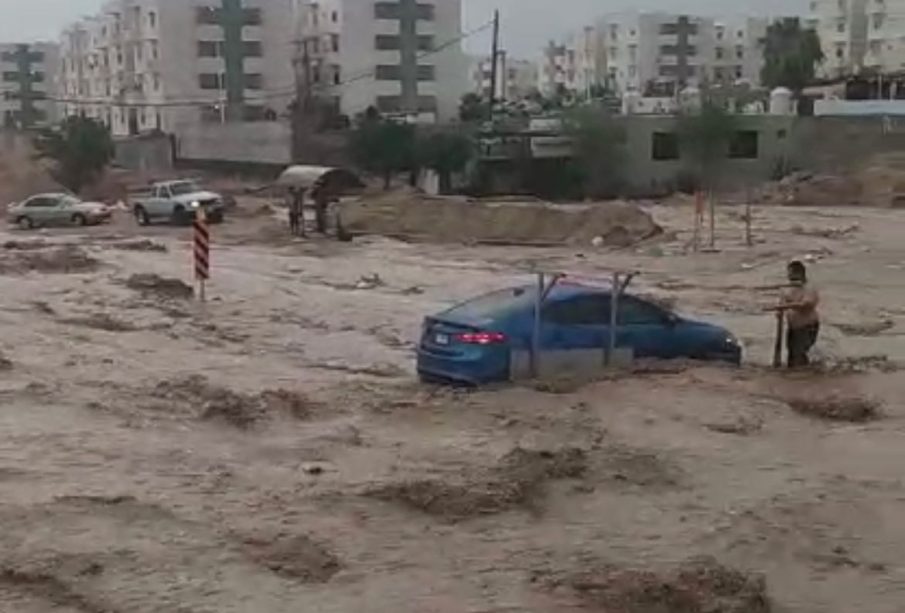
[[777, 343], [712, 220]]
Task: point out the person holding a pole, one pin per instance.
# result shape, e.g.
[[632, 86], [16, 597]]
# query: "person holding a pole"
[[799, 306]]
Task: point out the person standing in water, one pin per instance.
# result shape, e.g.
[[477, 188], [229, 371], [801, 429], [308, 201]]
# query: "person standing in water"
[[799, 305]]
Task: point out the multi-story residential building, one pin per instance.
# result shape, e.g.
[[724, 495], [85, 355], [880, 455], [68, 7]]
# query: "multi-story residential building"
[[590, 61], [557, 70], [859, 34], [145, 65], [516, 79], [28, 77], [662, 51], [402, 57]]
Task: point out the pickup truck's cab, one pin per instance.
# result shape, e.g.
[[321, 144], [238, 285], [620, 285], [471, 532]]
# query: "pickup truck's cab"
[[177, 202]]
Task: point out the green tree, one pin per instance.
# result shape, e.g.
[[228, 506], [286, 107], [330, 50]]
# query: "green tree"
[[705, 135], [598, 143], [791, 55], [445, 153], [384, 148], [81, 149], [473, 108]]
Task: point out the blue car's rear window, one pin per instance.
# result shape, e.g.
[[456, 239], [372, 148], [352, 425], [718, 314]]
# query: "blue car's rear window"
[[494, 304]]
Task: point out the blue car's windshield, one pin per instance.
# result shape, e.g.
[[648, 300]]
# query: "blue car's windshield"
[[494, 304]]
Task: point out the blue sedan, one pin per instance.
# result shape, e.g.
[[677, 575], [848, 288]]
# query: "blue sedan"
[[473, 343]]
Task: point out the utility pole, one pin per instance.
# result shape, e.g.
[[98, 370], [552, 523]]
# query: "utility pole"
[[494, 67]]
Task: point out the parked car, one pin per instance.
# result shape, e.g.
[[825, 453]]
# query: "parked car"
[[472, 343], [57, 210], [176, 202]]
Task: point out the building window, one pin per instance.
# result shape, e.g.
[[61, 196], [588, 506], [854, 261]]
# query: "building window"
[[719, 34], [211, 80], [207, 16], [427, 104], [210, 48], [840, 26], [254, 81], [668, 29], [738, 72], [37, 77], [878, 21], [719, 53], [388, 73], [740, 52], [334, 42], [334, 16], [152, 19], [252, 48], [426, 73], [393, 10], [387, 42], [744, 145], [840, 52], [425, 12], [664, 146], [254, 112], [387, 10], [389, 104], [10, 77], [252, 17]]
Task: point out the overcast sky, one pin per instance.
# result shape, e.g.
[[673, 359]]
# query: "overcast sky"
[[527, 24]]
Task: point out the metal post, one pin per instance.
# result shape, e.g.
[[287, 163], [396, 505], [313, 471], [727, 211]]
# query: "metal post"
[[494, 57], [749, 239], [712, 220], [535, 335], [614, 308]]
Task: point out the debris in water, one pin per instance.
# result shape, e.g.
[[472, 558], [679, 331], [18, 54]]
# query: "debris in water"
[[165, 288]]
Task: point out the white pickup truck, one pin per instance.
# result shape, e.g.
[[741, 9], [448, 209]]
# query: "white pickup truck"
[[176, 202]]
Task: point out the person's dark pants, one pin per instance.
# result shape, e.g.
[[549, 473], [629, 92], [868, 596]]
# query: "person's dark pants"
[[799, 342], [294, 225]]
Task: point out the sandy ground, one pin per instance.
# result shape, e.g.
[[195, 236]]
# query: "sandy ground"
[[271, 451]]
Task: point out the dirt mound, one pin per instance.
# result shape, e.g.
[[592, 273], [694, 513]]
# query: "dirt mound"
[[195, 395], [566, 463], [21, 175], [142, 245], [446, 219], [30, 245], [68, 259], [100, 321], [696, 586], [517, 482], [296, 557], [835, 408], [162, 288], [456, 501]]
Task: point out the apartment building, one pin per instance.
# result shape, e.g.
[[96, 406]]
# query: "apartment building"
[[402, 57], [557, 71], [145, 65], [648, 52], [859, 34], [516, 78], [28, 71]]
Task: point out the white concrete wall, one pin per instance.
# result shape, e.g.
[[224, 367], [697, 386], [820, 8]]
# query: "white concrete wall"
[[253, 142]]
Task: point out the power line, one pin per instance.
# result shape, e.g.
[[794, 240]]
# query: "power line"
[[282, 92]]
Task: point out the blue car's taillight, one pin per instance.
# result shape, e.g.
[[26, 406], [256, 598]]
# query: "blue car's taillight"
[[480, 338]]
